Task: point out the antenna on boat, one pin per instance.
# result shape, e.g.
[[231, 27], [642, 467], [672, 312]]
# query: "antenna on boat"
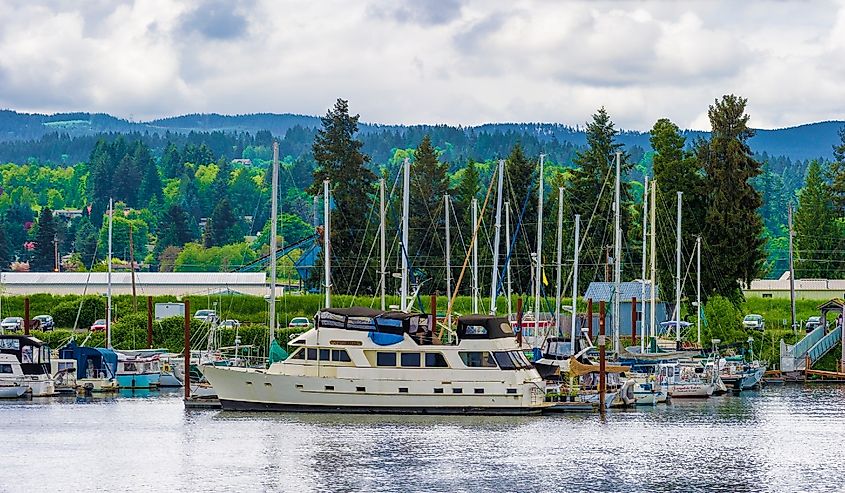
[[108, 290], [327, 244], [494, 279], [274, 224], [617, 252], [575, 281], [678, 272], [406, 189], [538, 276], [643, 334]]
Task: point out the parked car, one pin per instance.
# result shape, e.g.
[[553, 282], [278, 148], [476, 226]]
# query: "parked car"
[[99, 325], [206, 316], [46, 322], [299, 323], [230, 324], [12, 323], [754, 322], [813, 323]]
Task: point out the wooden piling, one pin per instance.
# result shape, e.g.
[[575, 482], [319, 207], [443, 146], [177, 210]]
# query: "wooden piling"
[[150, 322], [602, 359], [634, 320], [26, 315], [187, 348], [590, 319], [519, 321]]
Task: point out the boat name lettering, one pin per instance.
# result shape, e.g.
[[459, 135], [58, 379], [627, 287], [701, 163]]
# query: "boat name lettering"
[[345, 343]]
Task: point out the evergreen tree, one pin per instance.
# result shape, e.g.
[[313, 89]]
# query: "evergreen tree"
[[818, 238], [222, 227], [469, 186], [85, 242], [127, 179], [521, 191], [675, 170], [733, 241], [429, 183], [591, 187], [172, 164], [43, 258], [150, 185], [340, 160], [837, 175], [100, 185], [174, 229]]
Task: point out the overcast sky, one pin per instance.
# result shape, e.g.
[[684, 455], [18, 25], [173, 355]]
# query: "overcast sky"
[[427, 61]]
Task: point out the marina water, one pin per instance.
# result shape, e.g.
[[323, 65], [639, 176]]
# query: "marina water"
[[778, 439]]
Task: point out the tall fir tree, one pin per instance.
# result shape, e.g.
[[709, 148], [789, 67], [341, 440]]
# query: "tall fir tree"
[[819, 246], [591, 187], [469, 187], [127, 179], [341, 162], [43, 258], [100, 185], [521, 192], [85, 242], [172, 164], [222, 227], [837, 175], [429, 183], [150, 185], [733, 241], [5, 248], [675, 170]]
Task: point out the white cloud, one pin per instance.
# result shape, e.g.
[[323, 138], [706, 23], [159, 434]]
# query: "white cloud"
[[457, 61]]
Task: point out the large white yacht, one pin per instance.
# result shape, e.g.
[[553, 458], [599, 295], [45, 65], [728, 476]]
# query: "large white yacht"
[[364, 360]]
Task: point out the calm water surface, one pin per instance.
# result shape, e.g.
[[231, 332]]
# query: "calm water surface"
[[780, 439]]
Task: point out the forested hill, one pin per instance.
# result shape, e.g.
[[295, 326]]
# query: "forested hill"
[[813, 140]]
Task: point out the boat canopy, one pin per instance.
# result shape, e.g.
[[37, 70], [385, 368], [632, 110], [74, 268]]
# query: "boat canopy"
[[576, 368], [95, 359], [368, 319], [484, 327]]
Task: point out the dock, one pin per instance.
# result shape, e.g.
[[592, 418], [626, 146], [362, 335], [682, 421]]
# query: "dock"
[[202, 402]]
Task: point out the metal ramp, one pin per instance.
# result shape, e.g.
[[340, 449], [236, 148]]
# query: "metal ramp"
[[824, 345], [794, 357]]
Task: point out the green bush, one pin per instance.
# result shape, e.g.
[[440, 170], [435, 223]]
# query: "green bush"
[[93, 308]]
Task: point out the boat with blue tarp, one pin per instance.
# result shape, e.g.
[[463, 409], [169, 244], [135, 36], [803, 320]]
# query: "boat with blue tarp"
[[96, 367]]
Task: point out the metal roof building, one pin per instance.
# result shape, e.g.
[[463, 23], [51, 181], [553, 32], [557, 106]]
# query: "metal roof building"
[[146, 283]]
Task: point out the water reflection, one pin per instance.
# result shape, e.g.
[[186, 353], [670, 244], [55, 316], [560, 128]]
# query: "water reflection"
[[778, 439]]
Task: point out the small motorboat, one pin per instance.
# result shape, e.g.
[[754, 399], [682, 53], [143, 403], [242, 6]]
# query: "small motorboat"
[[11, 390]]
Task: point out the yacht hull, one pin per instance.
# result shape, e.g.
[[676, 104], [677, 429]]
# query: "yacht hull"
[[240, 389]]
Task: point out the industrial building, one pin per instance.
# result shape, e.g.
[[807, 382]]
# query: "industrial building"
[[146, 283]]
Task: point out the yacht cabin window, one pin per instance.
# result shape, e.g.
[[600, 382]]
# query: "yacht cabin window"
[[340, 355], [477, 359], [385, 359], [312, 354], [6, 368], [435, 360], [324, 355], [410, 359], [298, 354], [476, 330]]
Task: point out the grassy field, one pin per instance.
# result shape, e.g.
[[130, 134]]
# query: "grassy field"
[[130, 332]]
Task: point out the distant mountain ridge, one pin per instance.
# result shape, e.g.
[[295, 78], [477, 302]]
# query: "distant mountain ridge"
[[808, 141]]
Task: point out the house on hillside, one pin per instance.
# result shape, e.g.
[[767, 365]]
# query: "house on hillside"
[[603, 291]]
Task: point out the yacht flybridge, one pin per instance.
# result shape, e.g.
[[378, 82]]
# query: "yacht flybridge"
[[364, 360]]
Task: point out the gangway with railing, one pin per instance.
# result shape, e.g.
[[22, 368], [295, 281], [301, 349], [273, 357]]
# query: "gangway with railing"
[[794, 357], [822, 347]]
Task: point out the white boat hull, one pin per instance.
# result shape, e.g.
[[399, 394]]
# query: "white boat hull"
[[257, 390], [12, 391], [690, 390]]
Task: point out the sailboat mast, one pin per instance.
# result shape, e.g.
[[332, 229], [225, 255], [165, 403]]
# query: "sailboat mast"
[[617, 253], [274, 224], [791, 268], [382, 242], [575, 280], [678, 272], [508, 264], [108, 293], [698, 286], [446, 211], [558, 324], [645, 255], [653, 248], [474, 255], [538, 276], [494, 279], [406, 201], [327, 244]]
